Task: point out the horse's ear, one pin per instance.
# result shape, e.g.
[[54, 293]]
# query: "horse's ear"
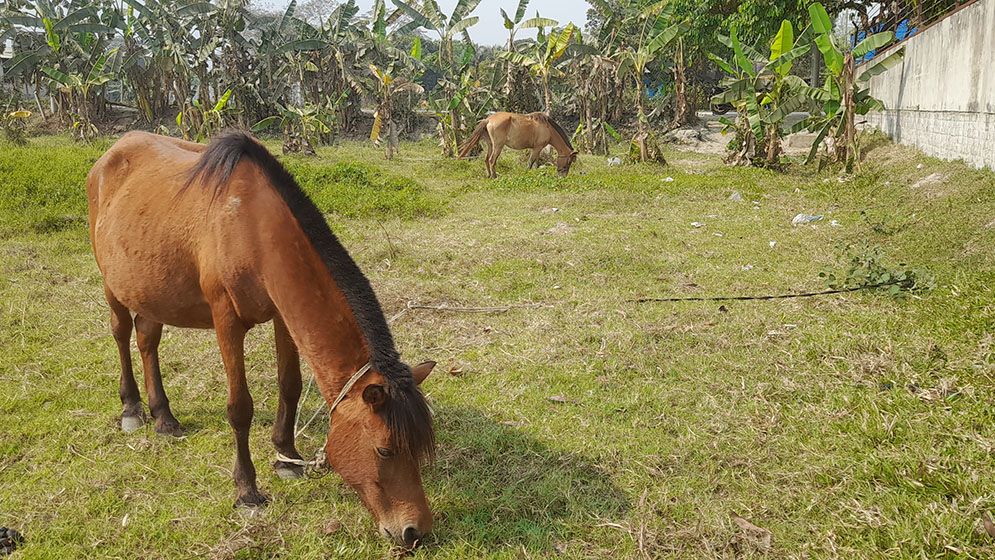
[[375, 396], [421, 371]]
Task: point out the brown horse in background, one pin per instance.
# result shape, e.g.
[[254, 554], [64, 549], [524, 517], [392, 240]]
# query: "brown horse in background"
[[222, 237], [518, 132]]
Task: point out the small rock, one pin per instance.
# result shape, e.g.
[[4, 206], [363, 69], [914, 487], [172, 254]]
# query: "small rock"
[[668, 180], [736, 197], [772, 243], [697, 224], [550, 210], [614, 162], [723, 309], [834, 223], [802, 219], [920, 166], [746, 267]]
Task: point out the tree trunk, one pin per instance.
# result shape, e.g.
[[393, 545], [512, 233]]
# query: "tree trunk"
[[547, 95], [680, 88], [847, 146]]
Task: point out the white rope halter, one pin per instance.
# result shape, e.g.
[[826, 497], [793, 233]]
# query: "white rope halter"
[[331, 408]]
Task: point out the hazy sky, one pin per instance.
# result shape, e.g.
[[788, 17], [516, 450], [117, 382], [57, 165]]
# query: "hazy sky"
[[490, 30]]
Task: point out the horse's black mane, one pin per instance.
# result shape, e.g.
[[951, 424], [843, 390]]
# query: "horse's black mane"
[[406, 412], [556, 126]]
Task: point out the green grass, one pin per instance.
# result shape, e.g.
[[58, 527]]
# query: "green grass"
[[851, 426]]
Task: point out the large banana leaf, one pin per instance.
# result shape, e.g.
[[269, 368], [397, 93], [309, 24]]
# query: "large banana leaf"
[[787, 59], [725, 66], [463, 8], [520, 12], [823, 27], [60, 77], [265, 123], [740, 56], [664, 38], [197, 8], [883, 65], [302, 45], [872, 43], [735, 92], [464, 24], [784, 41], [23, 61], [76, 17], [536, 22]]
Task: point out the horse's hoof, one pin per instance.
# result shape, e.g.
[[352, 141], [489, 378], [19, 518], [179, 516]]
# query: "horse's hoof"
[[131, 423], [251, 501], [169, 429], [288, 471]]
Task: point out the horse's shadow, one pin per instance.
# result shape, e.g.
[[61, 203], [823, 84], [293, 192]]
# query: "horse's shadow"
[[493, 485]]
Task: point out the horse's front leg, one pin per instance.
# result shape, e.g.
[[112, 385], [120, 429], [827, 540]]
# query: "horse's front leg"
[[534, 157], [289, 463], [231, 341]]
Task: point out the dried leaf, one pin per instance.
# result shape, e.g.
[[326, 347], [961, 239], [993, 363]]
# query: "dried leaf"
[[989, 526], [760, 537], [331, 527]]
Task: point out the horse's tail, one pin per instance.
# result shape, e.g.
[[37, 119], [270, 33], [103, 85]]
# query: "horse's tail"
[[474, 139]]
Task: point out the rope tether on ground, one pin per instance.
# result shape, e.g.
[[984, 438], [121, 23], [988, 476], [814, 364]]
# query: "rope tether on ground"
[[767, 297]]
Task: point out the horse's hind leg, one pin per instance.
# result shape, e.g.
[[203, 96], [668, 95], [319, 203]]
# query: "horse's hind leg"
[[149, 335], [496, 153], [132, 414], [289, 463]]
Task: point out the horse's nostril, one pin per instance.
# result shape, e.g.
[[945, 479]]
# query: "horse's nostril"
[[410, 535]]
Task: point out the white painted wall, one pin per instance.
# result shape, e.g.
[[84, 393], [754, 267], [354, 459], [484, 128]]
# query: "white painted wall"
[[941, 99]]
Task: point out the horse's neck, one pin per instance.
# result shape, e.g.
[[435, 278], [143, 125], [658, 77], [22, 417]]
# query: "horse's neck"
[[318, 317], [558, 143]]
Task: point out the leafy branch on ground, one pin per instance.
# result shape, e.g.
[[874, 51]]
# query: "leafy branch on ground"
[[866, 267]]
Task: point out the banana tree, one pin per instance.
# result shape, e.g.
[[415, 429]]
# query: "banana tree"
[[302, 126], [514, 90], [541, 59], [845, 93], [764, 93], [431, 18], [77, 89], [383, 119], [655, 35], [452, 64]]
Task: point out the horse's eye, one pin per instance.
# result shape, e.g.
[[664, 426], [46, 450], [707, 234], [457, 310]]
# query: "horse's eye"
[[384, 453]]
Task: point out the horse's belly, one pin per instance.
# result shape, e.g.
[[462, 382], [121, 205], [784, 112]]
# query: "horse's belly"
[[148, 267]]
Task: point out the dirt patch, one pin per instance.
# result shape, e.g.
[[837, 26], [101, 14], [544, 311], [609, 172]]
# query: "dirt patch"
[[931, 185]]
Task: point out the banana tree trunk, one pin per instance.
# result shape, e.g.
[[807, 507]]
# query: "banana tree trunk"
[[547, 94], [847, 145], [681, 108]]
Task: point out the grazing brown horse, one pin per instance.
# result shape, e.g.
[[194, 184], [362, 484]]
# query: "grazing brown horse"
[[222, 237], [518, 132]]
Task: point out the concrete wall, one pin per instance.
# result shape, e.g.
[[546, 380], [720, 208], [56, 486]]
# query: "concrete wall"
[[941, 99]]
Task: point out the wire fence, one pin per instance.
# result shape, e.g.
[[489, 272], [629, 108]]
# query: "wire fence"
[[904, 18]]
